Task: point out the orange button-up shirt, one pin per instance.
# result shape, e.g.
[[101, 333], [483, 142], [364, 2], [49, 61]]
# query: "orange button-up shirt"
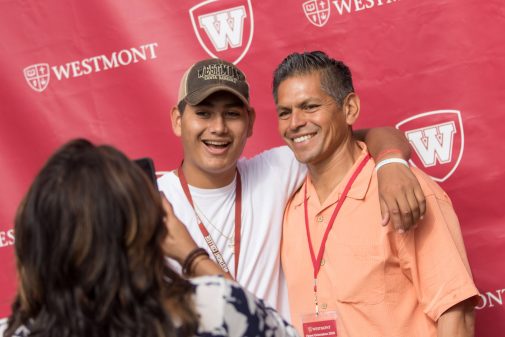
[[380, 283]]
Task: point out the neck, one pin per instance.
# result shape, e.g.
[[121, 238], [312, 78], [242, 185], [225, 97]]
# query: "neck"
[[208, 180], [327, 174]]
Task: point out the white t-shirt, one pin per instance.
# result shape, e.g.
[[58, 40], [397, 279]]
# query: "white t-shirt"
[[268, 180]]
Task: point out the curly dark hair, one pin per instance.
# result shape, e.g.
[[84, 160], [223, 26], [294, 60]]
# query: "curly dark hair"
[[88, 252]]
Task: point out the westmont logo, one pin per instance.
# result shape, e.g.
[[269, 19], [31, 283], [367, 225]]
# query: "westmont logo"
[[438, 140], [224, 28], [318, 11], [38, 75]]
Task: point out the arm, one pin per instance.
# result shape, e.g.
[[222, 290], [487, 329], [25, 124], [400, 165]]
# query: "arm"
[[457, 321], [179, 243], [384, 138], [401, 197], [205, 266], [433, 258]]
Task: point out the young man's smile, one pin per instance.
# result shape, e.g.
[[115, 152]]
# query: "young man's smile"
[[214, 133]]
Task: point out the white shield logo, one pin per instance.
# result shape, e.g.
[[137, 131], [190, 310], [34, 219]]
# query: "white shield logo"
[[37, 76], [438, 141], [317, 11], [224, 28]]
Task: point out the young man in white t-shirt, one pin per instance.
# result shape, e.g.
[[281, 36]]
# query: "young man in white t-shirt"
[[213, 118]]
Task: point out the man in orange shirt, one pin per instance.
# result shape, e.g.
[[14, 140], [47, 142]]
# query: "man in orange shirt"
[[344, 271]]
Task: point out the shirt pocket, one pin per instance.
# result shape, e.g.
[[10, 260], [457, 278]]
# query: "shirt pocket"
[[357, 273]]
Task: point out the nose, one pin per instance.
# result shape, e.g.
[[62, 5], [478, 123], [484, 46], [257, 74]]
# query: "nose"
[[218, 125], [297, 119]]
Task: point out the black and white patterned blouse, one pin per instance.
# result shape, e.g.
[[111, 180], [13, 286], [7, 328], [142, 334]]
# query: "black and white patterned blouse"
[[228, 310], [225, 309]]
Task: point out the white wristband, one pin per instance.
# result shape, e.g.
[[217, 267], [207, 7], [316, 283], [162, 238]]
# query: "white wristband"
[[390, 161]]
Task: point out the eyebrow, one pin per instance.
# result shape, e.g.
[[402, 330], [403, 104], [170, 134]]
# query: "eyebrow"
[[299, 105]]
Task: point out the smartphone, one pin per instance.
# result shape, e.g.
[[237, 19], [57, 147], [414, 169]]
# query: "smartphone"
[[147, 165]]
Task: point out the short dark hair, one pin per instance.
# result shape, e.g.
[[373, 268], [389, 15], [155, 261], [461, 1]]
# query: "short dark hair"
[[336, 77]]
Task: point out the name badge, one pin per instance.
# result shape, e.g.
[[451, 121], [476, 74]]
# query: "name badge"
[[322, 325]]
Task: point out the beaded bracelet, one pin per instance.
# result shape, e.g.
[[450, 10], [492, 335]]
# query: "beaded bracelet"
[[188, 261]]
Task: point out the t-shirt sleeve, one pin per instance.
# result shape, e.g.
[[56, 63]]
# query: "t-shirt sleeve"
[[233, 311], [277, 167], [433, 255]]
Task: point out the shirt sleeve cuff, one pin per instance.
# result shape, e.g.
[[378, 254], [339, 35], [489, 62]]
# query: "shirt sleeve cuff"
[[451, 299]]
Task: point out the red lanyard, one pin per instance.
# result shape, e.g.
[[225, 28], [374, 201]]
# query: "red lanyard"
[[316, 263], [238, 222]]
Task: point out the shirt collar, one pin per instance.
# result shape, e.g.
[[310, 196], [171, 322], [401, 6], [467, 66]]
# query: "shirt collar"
[[358, 189]]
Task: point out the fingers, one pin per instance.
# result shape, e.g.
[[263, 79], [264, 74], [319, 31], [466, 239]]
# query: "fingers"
[[384, 212], [396, 216], [421, 201], [166, 204], [412, 207], [401, 197], [402, 210], [391, 213], [172, 222], [178, 241], [414, 210], [405, 213]]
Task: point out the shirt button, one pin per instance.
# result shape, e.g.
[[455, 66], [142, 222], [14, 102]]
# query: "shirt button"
[[324, 306], [322, 262], [320, 218]]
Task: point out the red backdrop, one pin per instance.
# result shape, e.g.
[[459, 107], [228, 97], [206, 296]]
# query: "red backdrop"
[[108, 71]]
